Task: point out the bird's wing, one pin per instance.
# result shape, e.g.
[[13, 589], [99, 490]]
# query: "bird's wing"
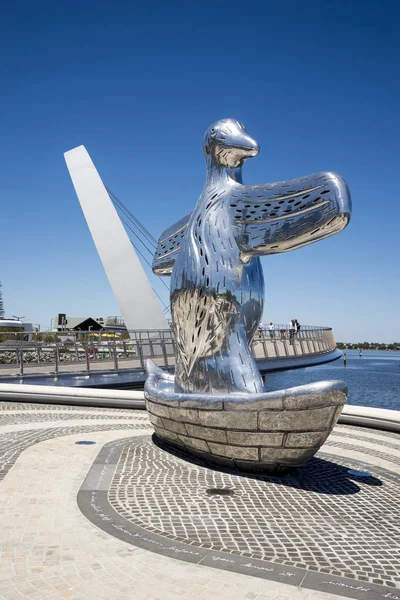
[[168, 247], [283, 216]]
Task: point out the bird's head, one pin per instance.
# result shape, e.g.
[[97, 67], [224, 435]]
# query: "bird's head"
[[228, 143]]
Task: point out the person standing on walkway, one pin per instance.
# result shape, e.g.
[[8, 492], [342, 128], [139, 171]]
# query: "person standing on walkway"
[[271, 330], [292, 329], [297, 326]]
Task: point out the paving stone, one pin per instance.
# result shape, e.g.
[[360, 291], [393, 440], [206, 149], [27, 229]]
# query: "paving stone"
[[309, 519]]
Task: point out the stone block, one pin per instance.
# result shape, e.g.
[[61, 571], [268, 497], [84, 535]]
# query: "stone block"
[[308, 439], [164, 433], [286, 456], [247, 438], [157, 409], [229, 419], [265, 403], [318, 395], [206, 433], [186, 415], [194, 443], [239, 452], [201, 403], [159, 400], [337, 415], [156, 421], [296, 420], [174, 426]]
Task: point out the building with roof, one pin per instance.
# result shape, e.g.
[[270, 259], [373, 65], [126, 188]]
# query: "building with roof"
[[63, 322]]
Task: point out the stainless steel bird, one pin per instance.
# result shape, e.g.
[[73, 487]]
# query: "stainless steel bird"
[[217, 285]]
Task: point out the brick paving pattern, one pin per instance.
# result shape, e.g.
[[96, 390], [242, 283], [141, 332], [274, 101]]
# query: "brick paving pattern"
[[319, 519], [50, 551]]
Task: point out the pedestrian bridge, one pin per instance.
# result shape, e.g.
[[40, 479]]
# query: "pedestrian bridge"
[[103, 360]]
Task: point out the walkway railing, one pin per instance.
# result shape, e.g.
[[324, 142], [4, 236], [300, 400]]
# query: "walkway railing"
[[85, 352]]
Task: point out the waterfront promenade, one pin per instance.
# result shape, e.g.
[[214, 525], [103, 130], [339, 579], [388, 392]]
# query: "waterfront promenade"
[[134, 522], [21, 359]]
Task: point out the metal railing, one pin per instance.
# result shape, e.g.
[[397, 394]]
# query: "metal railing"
[[85, 352]]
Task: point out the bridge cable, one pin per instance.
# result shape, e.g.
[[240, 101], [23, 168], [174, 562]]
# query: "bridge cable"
[[130, 221]]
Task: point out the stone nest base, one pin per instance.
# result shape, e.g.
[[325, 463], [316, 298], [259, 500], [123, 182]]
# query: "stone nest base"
[[270, 432]]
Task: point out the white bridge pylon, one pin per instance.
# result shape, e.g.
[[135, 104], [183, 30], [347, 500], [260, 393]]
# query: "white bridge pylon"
[[130, 285]]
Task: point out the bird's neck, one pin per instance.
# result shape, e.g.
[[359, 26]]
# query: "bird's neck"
[[219, 175]]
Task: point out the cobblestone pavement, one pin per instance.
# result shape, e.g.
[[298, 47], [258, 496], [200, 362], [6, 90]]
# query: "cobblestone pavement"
[[320, 519], [50, 550]]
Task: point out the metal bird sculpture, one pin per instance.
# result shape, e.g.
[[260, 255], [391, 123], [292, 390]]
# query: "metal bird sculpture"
[[217, 284]]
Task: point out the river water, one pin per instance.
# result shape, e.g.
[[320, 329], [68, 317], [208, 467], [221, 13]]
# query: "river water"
[[373, 379]]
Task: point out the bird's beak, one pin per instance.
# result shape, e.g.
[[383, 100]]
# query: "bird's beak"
[[249, 145], [243, 144], [246, 146]]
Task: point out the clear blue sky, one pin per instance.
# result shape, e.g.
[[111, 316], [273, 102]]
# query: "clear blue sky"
[[316, 83]]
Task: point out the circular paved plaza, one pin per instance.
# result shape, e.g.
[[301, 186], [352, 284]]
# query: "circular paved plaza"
[[125, 518]]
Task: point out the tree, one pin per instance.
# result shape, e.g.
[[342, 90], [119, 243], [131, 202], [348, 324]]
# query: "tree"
[[1, 303]]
